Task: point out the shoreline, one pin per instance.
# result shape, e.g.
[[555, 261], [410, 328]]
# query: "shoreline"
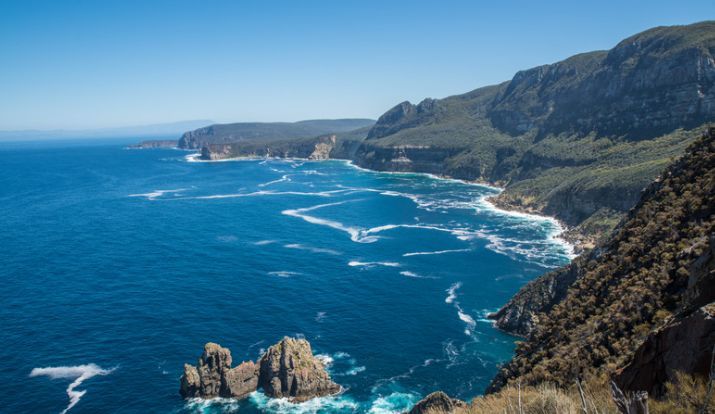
[[573, 247]]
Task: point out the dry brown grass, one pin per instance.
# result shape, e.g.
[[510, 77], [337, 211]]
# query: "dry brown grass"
[[687, 395]]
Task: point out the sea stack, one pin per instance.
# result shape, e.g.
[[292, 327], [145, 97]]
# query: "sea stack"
[[287, 370], [213, 376]]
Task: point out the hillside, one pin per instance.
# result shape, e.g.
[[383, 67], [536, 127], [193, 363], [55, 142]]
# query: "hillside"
[[267, 131], [657, 270], [578, 139]]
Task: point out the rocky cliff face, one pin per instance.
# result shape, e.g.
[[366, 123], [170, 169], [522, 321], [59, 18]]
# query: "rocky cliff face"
[[288, 369], [657, 266], [685, 344], [578, 139]]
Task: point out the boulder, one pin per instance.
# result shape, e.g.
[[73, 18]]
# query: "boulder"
[[437, 403], [289, 369]]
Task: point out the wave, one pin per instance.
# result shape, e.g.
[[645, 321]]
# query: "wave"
[[407, 273], [284, 178], [157, 193], [435, 252], [268, 193], [264, 242], [320, 316], [79, 373], [330, 404], [354, 263], [200, 405], [313, 249], [283, 273], [452, 292], [356, 234], [395, 403]]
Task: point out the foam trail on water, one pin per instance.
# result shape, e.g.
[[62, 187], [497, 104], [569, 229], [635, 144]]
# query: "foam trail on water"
[[283, 273], [156, 193], [356, 233], [267, 193], [312, 249], [435, 252], [452, 292], [80, 373], [284, 178], [354, 263]]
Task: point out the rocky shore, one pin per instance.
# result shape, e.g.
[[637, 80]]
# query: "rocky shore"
[[287, 369]]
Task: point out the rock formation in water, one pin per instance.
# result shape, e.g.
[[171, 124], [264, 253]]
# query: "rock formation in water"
[[437, 403], [288, 369], [213, 376]]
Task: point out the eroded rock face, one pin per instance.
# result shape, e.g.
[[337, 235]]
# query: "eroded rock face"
[[289, 369], [213, 376], [437, 403], [240, 381], [685, 344]]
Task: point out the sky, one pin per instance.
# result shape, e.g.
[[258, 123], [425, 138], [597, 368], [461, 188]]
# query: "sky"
[[98, 64]]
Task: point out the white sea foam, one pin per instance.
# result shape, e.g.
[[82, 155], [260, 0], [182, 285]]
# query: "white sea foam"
[[336, 403], [452, 292], [268, 193], [395, 403], [320, 316], [313, 249], [355, 263], [407, 273], [284, 178], [435, 252], [79, 373], [355, 370], [200, 405], [264, 242], [356, 234], [283, 273], [157, 193]]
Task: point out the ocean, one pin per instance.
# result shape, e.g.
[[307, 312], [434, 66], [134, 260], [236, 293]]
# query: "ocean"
[[118, 265]]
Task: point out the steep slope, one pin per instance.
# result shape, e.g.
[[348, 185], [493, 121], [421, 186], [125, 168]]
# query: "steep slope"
[[577, 139], [658, 266], [267, 131]]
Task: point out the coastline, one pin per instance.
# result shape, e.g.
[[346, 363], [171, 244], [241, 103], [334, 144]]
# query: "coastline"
[[572, 244]]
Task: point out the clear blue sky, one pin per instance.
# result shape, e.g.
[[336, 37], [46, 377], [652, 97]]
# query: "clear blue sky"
[[87, 64]]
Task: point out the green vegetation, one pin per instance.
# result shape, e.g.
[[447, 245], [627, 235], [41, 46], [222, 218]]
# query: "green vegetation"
[[636, 281]]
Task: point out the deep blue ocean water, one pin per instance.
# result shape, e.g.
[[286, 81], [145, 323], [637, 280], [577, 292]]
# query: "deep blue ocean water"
[[118, 265]]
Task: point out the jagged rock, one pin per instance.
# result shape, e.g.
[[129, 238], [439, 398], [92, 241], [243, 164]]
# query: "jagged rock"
[[289, 369], [213, 376], [240, 381], [437, 403], [685, 344]]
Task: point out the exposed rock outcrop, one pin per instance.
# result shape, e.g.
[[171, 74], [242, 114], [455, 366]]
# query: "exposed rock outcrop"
[[289, 369], [685, 344], [437, 403], [213, 376], [159, 143]]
